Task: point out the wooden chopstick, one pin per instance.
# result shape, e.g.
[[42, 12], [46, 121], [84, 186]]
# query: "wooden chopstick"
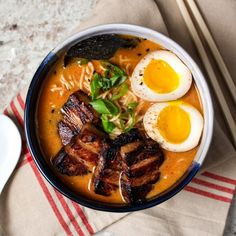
[[210, 71], [212, 45]]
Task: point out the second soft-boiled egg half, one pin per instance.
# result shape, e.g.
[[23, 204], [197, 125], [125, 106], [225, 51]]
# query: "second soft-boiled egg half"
[[160, 76], [176, 126]]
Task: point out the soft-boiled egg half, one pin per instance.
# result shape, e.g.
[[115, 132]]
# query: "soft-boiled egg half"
[[176, 126], [160, 76]]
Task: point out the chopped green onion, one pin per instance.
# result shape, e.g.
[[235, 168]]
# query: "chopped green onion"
[[106, 73], [132, 105], [121, 91], [113, 76], [130, 112], [108, 126], [124, 116], [114, 110], [122, 80], [132, 123], [105, 83], [122, 124], [119, 71], [104, 106], [95, 86], [114, 79], [115, 69]]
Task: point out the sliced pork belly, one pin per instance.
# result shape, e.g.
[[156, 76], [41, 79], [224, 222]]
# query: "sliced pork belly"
[[67, 165], [107, 171], [140, 156], [76, 112], [125, 138], [81, 153], [140, 168], [65, 132], [133, 194]]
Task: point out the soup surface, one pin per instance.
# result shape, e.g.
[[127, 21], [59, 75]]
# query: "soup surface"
[[62, 81]]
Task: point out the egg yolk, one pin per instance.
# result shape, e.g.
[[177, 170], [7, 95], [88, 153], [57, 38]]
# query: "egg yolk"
[[160, 77], [174, 124]]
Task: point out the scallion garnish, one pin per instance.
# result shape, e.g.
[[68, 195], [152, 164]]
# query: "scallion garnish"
[[112, 77], [108, 126], [104, 106], [95, 86], [120, 91]]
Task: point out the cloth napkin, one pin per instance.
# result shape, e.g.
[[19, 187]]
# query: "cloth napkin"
[[29, 205]]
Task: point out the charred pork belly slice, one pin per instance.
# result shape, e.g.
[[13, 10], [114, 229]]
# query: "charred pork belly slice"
[[92, 138], [65, 132], [107, 171], [132, 153], [133, 194], [125, 138], [139, 157], [143, 167], [140, 168], [83, 151], [82, 155], [150, 177], [68, 165], [87, 146], [77, 111]]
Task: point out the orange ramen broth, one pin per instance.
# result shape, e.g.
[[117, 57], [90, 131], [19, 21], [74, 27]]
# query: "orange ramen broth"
[[50, 103]]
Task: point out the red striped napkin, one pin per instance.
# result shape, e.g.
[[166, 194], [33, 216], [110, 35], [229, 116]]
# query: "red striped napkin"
[[206, 198], [31, 206]]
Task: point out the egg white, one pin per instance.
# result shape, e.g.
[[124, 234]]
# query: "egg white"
[[196, 127], [143, 91]]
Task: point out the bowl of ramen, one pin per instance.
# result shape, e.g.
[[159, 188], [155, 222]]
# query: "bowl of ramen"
[[118, 118]]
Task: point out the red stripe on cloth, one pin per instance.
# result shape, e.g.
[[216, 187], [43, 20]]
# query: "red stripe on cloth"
[[28, 157], [64, 205], [220, 178], [79, 211], [5, 112], [24, 162], [40, 180], [207, 194], [69, 213], [21, 102], [49, 197], [17, 114], [83, 217], [211, 185]]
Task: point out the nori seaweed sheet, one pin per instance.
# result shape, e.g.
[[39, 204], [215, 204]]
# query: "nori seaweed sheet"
[[100, 47]]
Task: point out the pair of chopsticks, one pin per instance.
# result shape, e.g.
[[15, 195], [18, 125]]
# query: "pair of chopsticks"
[[217, 56]]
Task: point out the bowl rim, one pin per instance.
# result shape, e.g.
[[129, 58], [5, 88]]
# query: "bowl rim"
[[170, 45]]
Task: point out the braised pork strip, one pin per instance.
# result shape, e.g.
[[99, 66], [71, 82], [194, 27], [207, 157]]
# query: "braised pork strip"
[[141, 160], [76, 112], [82, 152], [107, 172]]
